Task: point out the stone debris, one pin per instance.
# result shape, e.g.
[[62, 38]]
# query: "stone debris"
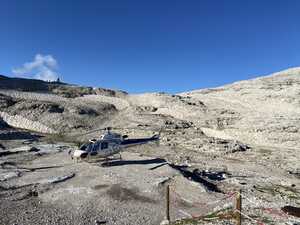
[[6, 175], [58, 179], [236, 146], [19, 150]]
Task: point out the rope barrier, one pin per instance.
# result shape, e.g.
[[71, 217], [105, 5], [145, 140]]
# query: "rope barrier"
[[177, 196], [244, 196], [201, 204], [250, 218], [197, 216], [185, 213], [276, 212], [272, 211]]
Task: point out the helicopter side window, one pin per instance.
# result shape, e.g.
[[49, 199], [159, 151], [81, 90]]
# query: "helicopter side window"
[[104, 145], [95, 147], [83, 147]]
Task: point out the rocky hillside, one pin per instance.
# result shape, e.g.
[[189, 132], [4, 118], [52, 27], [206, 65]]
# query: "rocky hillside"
[[58, 88], [52, 107], [263, 111], [243, 136]]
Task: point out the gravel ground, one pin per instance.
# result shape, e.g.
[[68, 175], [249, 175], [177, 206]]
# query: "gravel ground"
[[132, 191]]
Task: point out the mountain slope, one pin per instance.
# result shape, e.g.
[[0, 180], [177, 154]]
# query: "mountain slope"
[[266, 110], [242, 136], [262, 111]]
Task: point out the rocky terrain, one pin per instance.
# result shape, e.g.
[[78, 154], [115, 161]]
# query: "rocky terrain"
[[214, 142]]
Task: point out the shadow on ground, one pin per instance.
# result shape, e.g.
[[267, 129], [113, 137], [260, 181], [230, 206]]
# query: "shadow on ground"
[[18, 135], [117, 192], [133, 162]]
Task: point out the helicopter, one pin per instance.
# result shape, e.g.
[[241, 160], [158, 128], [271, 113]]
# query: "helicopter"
[[109, 144]]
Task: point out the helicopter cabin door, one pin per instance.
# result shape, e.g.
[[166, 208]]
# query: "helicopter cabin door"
[[104, 145], [105, 149], [95, 148]]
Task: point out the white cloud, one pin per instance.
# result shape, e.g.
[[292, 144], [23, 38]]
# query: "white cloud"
[[43, 67]]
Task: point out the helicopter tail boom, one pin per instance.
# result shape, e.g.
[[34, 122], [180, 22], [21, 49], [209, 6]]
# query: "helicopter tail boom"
[[139, 141]]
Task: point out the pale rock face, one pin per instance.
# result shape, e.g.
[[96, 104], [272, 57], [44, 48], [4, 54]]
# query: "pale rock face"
[[21, 122], [266, 111], [245, 135], [261, 111]]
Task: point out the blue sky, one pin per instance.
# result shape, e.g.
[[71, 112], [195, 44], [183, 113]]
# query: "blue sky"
[[157, 45]]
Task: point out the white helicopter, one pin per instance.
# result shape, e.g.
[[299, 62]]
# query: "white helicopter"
[[109, 144]]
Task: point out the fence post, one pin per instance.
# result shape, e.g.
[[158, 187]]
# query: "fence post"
[[168, 203], [238, 207]]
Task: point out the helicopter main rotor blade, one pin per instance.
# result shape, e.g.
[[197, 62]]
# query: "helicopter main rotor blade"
[[89, 132], [162, 129]]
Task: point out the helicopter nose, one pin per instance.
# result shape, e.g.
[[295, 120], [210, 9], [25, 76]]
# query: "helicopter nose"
[[80, 154]]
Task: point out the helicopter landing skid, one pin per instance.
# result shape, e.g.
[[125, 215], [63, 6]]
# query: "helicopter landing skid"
[[108, 160], [104, 161]]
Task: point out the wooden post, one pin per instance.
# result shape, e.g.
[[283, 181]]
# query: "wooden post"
[[168, 203], [238, 207]]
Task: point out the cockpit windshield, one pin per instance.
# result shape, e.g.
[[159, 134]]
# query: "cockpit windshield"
[[83, 147]]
